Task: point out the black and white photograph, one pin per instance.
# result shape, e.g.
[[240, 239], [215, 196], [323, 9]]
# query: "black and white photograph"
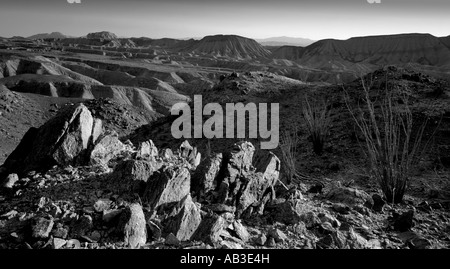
[[179, 128]]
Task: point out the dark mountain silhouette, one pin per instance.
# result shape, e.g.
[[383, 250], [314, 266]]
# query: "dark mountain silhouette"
[[231, 46], [48, 35]]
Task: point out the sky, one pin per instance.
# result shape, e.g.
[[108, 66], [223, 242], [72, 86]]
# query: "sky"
[[313, 19]]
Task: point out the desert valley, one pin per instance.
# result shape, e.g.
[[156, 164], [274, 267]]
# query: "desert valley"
[[89, 160]]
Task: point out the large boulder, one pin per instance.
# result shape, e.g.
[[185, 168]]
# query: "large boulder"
[[204, 180], [63, 140], [238, 162], [132, 175], [184, 219], [108, 147], [349, 196], [168, 185], [132, 226]]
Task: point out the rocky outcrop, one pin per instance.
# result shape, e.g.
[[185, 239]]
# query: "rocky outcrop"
[[132, 225], [63, 140], [184, 219], [166, 186]]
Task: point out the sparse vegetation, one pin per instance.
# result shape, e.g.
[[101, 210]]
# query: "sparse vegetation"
[[317, 117], [391, 145], [288, 148]]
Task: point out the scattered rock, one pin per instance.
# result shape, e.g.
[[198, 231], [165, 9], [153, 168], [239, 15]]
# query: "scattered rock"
[[349, 196], [58, 243], [261, 240], [278, 235], [147, 151], [172, 240], [42, 228], [10, 181], [210, 229], [241, 231], [108, 147], [102, 205]]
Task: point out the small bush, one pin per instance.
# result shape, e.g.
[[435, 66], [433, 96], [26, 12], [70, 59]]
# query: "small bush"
[[391, 145], [317, 117], [288, 148]]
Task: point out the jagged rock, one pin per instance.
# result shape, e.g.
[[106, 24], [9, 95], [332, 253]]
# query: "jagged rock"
[[190, 154], [10, 181], [63, 140], [82, 226], [172, 240], [97, 130], [288, 212], [349, 196], [147, 151], [60, 231], [269, 165], [132, 175], [184, 219], [278, 235], [210, 229], [241, 231], [132, 225], [326, 217], [239, 162], [167, 185], [255, 190], [42, 227], [310, 219], [102, 205], [205, 179], [167, 154], [58, 243], [108, 147], [261, 240], [271, 242], [155, 230], [378, 203], [404, 222]]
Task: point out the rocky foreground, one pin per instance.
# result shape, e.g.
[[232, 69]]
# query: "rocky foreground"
[[71, 184]]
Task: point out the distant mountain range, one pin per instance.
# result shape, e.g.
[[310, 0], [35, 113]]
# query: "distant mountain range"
[[285, 41], [423, 49], [48, 35]]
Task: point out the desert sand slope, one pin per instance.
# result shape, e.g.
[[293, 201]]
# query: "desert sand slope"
[[48, 85], [109, 77], [40, 65], [149, 100], [231, 46]]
